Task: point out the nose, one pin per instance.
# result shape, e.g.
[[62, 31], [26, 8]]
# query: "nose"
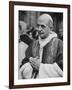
[[39, 28]]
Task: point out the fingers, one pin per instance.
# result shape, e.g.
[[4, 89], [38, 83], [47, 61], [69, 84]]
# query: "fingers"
[[32, 62], [35, 63]]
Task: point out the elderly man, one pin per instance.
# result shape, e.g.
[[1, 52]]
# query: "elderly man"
[[45, 54]]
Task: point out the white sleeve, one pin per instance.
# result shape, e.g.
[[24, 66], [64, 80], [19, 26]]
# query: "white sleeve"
[[50, 70], [26, 71], [22, 50]]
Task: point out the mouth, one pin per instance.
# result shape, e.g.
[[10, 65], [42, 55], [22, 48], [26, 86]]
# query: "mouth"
[[40, 32]]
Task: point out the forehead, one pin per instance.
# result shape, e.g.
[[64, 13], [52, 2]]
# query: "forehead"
[[42, 20]]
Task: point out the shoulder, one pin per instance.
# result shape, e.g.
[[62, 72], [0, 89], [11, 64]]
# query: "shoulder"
[[57, 41], [60, 42]]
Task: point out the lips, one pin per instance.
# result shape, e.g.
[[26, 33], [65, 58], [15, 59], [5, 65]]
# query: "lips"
[[40, 32]]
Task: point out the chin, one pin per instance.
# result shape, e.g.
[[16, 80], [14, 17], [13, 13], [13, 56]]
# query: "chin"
[[43, 37]]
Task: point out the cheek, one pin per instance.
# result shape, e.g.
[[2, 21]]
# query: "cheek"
[[46, 32], [44, 35]]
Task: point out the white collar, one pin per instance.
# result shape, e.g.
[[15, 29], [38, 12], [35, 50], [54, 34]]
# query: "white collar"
[[43, 42]]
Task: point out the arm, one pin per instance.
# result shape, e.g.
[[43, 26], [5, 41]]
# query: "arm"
[[22, 50], [25, 69]]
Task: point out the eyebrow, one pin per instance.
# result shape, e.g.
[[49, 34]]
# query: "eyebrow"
[[41, 24]]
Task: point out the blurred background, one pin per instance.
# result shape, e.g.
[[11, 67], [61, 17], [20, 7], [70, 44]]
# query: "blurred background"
[[30, 17]]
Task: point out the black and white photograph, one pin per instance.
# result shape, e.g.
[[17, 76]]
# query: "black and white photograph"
[[40, 45]]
